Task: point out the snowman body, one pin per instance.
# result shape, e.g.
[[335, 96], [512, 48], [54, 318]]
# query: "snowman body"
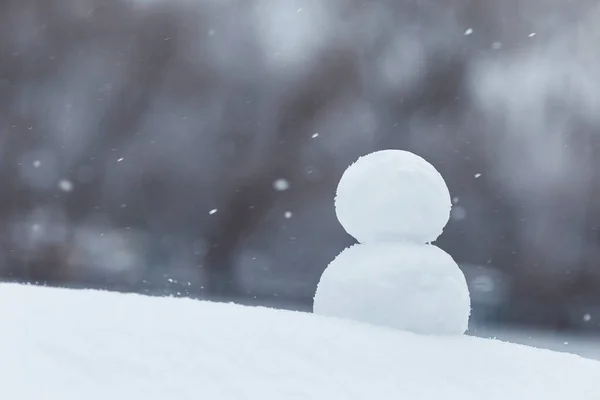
[[394, 203]]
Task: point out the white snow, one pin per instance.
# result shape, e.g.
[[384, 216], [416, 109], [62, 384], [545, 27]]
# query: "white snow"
[[65, 185], [418, 288], [394, 202], [58, 344], [281, 185], [392, 195], [213, 211]]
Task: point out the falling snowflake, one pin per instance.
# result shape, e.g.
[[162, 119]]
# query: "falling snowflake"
[[281, 185], [65, 185]]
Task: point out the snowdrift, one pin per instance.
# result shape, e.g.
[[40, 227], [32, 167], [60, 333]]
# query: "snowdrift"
[[58, 344]]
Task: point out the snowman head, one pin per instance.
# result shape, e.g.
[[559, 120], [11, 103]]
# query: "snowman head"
[[393, 195]]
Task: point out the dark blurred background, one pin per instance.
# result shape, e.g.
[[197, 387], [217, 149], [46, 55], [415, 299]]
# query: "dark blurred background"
[[192, 148]]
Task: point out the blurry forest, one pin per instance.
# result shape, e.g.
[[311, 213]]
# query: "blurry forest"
[[193, 148]]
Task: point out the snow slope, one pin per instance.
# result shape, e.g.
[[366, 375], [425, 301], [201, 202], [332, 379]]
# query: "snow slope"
[[58, 344]]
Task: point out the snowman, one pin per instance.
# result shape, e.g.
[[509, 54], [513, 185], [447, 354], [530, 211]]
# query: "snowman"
[[394, 203]]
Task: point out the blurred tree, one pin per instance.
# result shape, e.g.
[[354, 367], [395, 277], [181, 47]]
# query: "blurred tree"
[[124, 123]]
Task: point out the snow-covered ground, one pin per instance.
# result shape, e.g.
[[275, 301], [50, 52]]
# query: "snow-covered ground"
[[585, 345], [59, 344]]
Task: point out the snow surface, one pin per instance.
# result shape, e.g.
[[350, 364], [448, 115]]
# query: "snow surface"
[[58, 344], [393, 194], [414, 287]]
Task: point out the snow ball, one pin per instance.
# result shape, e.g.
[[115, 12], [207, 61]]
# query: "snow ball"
[[213, 211], [477, 175], [315, 135], [469, 32], [281, 185], [413, 287], [65, 185], [37, 163], [392, 195], [287, 214]]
